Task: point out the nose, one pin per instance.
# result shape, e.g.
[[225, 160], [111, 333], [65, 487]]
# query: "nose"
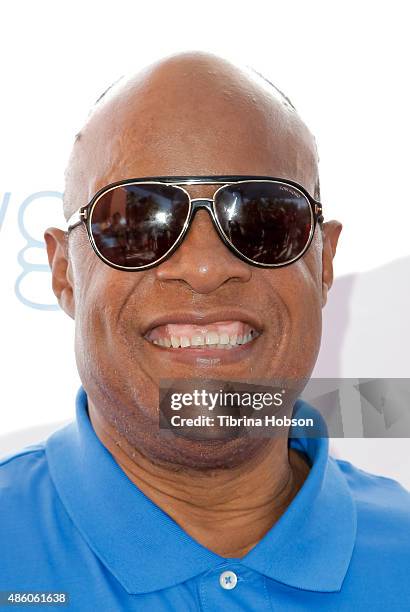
[[202, 260]]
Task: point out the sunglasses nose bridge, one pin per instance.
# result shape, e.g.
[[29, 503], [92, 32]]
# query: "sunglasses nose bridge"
[[207, 204], [198, 203], [204, 203]]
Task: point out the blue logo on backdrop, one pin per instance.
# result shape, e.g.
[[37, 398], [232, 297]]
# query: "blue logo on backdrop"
[[29, 267], [4, 206]]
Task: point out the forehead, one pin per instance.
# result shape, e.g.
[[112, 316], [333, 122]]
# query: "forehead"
[[192, 118]]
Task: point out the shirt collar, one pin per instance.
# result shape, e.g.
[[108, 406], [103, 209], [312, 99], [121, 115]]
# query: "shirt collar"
[[309, 547]]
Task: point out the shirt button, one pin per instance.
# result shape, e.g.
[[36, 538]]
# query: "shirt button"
[[228, 580]]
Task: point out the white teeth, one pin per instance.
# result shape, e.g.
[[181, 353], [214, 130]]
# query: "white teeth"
[[197, 340], [212, 338], [174, 342]]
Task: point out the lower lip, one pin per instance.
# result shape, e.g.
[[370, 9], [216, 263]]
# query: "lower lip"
[[207, 356]]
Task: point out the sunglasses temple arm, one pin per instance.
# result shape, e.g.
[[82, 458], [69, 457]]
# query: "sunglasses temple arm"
[[73, 225], [318, 211], [77, 218]]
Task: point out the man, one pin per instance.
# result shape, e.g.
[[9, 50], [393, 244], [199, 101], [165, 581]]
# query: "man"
[[112, 511]]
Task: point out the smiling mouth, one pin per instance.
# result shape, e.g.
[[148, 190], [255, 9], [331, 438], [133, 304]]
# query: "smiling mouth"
[[224, 335]]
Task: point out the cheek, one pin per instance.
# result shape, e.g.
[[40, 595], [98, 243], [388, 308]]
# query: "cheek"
[[108, 344], [313, 259], [299, 286], [100, 294], [307, 306]]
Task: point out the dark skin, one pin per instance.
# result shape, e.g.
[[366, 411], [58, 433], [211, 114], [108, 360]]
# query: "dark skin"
[[192, 114]]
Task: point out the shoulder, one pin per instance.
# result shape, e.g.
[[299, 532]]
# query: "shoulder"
[[21, 474], [35, 529], [31, 514], [383, 505], [18, 461]]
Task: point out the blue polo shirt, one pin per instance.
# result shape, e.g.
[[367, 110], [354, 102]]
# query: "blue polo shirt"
[[71, 521]]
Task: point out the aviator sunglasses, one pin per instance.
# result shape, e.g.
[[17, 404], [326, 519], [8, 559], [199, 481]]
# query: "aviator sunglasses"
[[136, 224]]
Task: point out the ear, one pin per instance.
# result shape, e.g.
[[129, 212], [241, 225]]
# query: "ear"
[[62, 283], [330, 236]]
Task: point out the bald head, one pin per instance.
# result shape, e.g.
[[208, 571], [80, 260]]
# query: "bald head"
[[191, 113]]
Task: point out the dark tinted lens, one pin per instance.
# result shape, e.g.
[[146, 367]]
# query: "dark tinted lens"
[[269, 223], [135, 225]]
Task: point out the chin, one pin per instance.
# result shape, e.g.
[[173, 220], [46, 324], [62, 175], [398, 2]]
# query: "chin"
[[177, 452]]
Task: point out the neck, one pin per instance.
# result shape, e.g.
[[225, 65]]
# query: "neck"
[[227, 511]]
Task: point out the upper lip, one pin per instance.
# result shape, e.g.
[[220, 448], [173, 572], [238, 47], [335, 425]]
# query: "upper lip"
[[201, 318]]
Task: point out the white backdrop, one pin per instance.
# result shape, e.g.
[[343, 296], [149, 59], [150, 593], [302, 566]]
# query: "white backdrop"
[[345, 68]]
